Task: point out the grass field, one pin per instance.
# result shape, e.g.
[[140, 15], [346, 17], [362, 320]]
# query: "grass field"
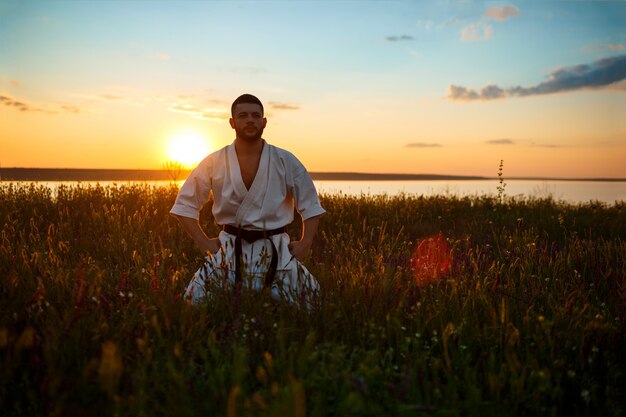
[[529, 320]]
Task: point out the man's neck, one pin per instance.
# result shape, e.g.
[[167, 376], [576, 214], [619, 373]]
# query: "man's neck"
[[243, 146]]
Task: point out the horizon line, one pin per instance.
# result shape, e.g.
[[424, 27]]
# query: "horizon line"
[[91, 174]]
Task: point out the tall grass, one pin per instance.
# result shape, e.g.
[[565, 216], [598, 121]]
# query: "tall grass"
[[529, 320]]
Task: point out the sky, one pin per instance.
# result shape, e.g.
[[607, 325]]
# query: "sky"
[[423, 87]]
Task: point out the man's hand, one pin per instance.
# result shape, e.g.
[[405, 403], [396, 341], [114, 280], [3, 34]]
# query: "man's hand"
[[300, 249], [206, 244]]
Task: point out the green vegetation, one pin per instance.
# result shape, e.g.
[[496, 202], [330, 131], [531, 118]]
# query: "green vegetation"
[[529, 320]]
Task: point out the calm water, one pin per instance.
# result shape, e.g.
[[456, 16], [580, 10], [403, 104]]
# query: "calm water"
[[570, 191]]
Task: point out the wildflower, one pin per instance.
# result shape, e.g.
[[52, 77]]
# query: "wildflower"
[[585, 395]]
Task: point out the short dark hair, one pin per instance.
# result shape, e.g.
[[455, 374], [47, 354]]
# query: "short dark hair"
[[245, 98]]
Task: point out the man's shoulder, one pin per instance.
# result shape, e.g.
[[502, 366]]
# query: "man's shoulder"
[[283, 154]]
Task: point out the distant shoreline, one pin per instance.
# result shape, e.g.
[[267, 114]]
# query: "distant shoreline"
[[77, 174]]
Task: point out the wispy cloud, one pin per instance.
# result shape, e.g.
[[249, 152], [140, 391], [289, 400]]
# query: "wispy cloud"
[[500, 142], [25, 107], [283, 106], [422, 145], [502, 13], [397, 38], [204, 113], [599, 74], [480, 31], [546, 145], [614, 47], [70, 109], [215, 114], [17, 104], [111, 97]]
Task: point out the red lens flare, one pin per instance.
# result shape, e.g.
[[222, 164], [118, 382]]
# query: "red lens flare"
[[431, 259]]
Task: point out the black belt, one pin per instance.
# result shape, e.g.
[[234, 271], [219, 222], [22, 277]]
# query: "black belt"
[[251, 236]]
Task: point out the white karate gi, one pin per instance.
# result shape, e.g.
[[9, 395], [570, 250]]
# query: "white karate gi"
[[280, 183]]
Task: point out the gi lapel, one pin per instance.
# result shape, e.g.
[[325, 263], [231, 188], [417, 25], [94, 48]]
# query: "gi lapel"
[[253, 201], [235, 173]]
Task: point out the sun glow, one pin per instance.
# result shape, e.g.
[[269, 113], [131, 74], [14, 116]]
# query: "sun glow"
[[187, 148]]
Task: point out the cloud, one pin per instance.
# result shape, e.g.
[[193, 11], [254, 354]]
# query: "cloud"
[[23, 106], [283, 106], [489, 92], [599, 74], [214, 114], [502, 13], [614, 47], [395, 38], [481, 30], [17, 105], [204, 113], [185, 108], [70, 109], [111, 97], [422, 145], [477, 32], [500, 142], [545, 145]]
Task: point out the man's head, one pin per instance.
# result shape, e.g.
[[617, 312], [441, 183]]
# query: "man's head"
[[247, 117], [245, 98]]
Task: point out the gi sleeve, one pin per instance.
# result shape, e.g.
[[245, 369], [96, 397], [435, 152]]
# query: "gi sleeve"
[[195, 192], [305, 195]]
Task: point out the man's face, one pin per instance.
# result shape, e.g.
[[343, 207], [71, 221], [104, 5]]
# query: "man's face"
[[248, 121]]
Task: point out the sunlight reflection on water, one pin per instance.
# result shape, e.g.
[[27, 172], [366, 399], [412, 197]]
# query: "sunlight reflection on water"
[[570, 191]]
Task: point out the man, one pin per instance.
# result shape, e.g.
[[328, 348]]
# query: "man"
[[255, 187]]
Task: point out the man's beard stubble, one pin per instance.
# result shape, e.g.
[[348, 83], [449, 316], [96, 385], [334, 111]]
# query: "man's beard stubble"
[[241, 133]]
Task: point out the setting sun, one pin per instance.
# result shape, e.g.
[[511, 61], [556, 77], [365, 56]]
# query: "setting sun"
[[187, 148]]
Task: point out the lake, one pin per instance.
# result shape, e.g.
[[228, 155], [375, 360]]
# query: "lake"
[[569, 191]]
